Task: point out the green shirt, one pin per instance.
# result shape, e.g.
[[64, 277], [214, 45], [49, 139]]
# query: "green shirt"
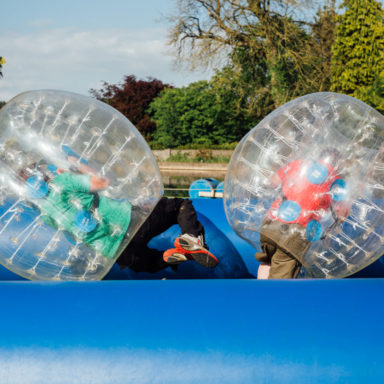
[[70, 194]]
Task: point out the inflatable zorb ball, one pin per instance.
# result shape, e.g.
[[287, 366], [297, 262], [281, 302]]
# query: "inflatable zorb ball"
[[310, 176], [77, 180]]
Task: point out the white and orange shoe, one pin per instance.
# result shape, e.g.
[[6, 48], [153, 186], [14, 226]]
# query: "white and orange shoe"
[[194, 247], [176, 256]]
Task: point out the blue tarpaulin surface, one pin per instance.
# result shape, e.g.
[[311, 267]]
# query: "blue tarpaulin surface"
[[210, 330], [193, 331]]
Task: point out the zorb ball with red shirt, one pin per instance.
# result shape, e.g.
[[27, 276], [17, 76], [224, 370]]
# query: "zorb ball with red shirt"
[[77, 180], [313, 170]]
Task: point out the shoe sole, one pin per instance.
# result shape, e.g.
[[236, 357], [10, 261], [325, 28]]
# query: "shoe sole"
[[198, 253], [175, 258], [205, 259]]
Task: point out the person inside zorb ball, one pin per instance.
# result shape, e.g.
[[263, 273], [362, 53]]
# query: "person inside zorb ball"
[[306, 186], [77, 182]]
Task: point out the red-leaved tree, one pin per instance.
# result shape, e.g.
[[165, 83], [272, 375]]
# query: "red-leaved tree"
[[132, 98]]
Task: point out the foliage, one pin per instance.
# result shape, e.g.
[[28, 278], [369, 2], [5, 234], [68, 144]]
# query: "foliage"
[[231, 146], [203, 156], [2, 103], [244, 87], [358, 53], [373, 94], [323, 32], [132, 98], [274, 52], [200, 114]]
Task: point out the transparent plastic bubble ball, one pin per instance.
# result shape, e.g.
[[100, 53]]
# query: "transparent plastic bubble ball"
[[77, 180], [310, 176]]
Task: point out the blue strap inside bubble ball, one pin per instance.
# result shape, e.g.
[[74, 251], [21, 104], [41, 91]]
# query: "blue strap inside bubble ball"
[[85, 221], [36, 186], [339, 190], [70, 152], [289, 210], [317, 173], [53, 169], [313, 230]]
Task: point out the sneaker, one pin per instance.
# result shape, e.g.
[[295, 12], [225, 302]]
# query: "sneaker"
[[189, 242], [175, 256], [195, 247]]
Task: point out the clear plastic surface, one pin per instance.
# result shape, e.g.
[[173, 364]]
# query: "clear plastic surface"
[[313, 170], [77, 181]]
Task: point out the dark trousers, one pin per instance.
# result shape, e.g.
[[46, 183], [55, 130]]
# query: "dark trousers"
[[137, 255]]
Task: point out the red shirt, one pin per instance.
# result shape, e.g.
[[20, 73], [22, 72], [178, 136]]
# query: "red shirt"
[[306, 185]]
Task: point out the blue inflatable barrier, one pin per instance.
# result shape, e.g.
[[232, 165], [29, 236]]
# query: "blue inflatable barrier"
[[195, 330], [202, 186], [220, 187]]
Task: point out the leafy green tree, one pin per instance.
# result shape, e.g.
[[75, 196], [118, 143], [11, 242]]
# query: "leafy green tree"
[[358, 53], [197, 114], [244, 88], [275, 35], [323, 32]]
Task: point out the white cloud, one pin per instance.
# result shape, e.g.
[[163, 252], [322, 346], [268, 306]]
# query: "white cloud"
[[75, 60]]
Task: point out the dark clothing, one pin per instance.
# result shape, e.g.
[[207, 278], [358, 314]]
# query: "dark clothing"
[[283, 246], [137, 255]]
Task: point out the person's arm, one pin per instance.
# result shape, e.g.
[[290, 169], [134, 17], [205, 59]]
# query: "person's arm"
[[340, 210], [279, 176], [97, 183], [340, 204], [274, 181], [81, 167]]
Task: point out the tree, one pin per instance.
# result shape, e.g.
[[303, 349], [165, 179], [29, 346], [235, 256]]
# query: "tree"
[[132, 98], [2, 62], [267, 32], [197, 114], [358, 53], [244, 88], [323, 32]]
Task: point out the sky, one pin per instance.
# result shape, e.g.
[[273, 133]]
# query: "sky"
[[76, 45]]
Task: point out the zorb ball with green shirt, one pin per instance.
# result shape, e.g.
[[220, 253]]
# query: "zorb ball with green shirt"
[[313, 170], [77, 180]]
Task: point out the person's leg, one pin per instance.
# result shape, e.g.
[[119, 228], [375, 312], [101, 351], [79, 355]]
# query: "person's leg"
[[192, 238], [263, 271], [140, 258], [187, 219], [164, 215], [268, 249], [284, 266]]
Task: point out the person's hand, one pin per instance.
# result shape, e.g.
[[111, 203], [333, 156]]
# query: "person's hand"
[[273, 181], [73, 160], [98, 183], [341, 210]]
